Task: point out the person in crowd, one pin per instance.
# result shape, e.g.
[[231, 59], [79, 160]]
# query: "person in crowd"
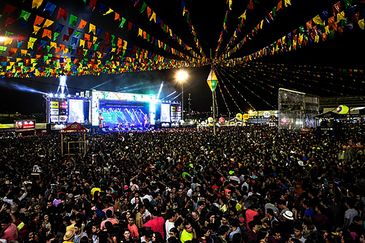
[[185, 185]]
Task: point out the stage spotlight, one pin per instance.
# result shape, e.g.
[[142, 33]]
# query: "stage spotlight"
[[62, 96], [68, 96], [56, 95], [50, 95]]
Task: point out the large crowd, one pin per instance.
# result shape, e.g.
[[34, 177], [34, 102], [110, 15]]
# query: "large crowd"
[[246, 184]]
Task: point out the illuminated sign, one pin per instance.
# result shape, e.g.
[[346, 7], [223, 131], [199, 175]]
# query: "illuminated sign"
[[25, 124]]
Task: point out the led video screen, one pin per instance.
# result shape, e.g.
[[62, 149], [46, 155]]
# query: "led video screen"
[[76, 111], [113, 109], [116, 113]]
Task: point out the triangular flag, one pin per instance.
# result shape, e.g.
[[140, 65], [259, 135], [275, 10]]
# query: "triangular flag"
[[73, 20], [37, 3], [340, 16], [62, 13], [24, 15], [48, 23], [317, 20], [212, 80], [121, 25], [92, 28], [153, 17], [116, 16], [36, 29], [38, 20], [143, 7], [109, 11], [287, 3], [50, 8], [82, 24]]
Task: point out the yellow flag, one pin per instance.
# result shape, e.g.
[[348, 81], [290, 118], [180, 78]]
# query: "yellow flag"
[[37, 3], [53, 44], [317, 20], [36, 29], [32, 39], [340, 16], [243, 16], [361, 24], [30, 45], [140, 32], [287, 3], [109, 11], [327, 29], [261, 24], [47, 23], [82, 43], [92, 28], [95, 38], [153, 17]]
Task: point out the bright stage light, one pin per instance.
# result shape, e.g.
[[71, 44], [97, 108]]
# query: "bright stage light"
[[62, 96], [181, 76], [50, 95], [4, 39]]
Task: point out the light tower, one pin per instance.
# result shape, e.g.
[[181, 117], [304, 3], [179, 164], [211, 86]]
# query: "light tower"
[[62, 87]]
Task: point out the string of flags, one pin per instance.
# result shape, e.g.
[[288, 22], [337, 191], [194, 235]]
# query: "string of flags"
[[270, 17], [320, 28]]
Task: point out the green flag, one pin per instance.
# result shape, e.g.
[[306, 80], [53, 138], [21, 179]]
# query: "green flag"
[[73, 20], [24, 15]]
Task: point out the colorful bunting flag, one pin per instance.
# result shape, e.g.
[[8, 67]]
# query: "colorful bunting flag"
[[37, 3], [50, 8], [24, 15], [47, 23], [92, 28], [62, 13], [38, 20], [73, 20], [108, 12]]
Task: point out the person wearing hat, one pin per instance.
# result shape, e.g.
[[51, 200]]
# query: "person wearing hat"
[[286, 224], [69, 236]]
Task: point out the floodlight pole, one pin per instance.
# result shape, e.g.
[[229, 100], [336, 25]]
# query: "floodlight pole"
[[182, 100]]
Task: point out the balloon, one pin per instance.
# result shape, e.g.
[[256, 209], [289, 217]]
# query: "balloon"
[[210, 119], [239, 116], [342, 109], [221, 119]]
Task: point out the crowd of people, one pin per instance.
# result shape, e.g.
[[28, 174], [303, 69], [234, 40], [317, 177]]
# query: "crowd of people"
[[246, 184]]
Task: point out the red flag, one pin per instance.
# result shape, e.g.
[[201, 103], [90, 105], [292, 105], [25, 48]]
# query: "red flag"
[[82, 24], [38, 20], [62, 13], [47, 33]]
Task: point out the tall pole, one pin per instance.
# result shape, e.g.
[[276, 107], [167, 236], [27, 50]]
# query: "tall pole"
[[182, 100], [213, 99]]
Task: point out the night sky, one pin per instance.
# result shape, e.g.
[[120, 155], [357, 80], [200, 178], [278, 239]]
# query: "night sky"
[[317, 65]]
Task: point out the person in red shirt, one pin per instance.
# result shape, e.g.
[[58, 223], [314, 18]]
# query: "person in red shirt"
[[132, 227], [9, 231], [156, 224]]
